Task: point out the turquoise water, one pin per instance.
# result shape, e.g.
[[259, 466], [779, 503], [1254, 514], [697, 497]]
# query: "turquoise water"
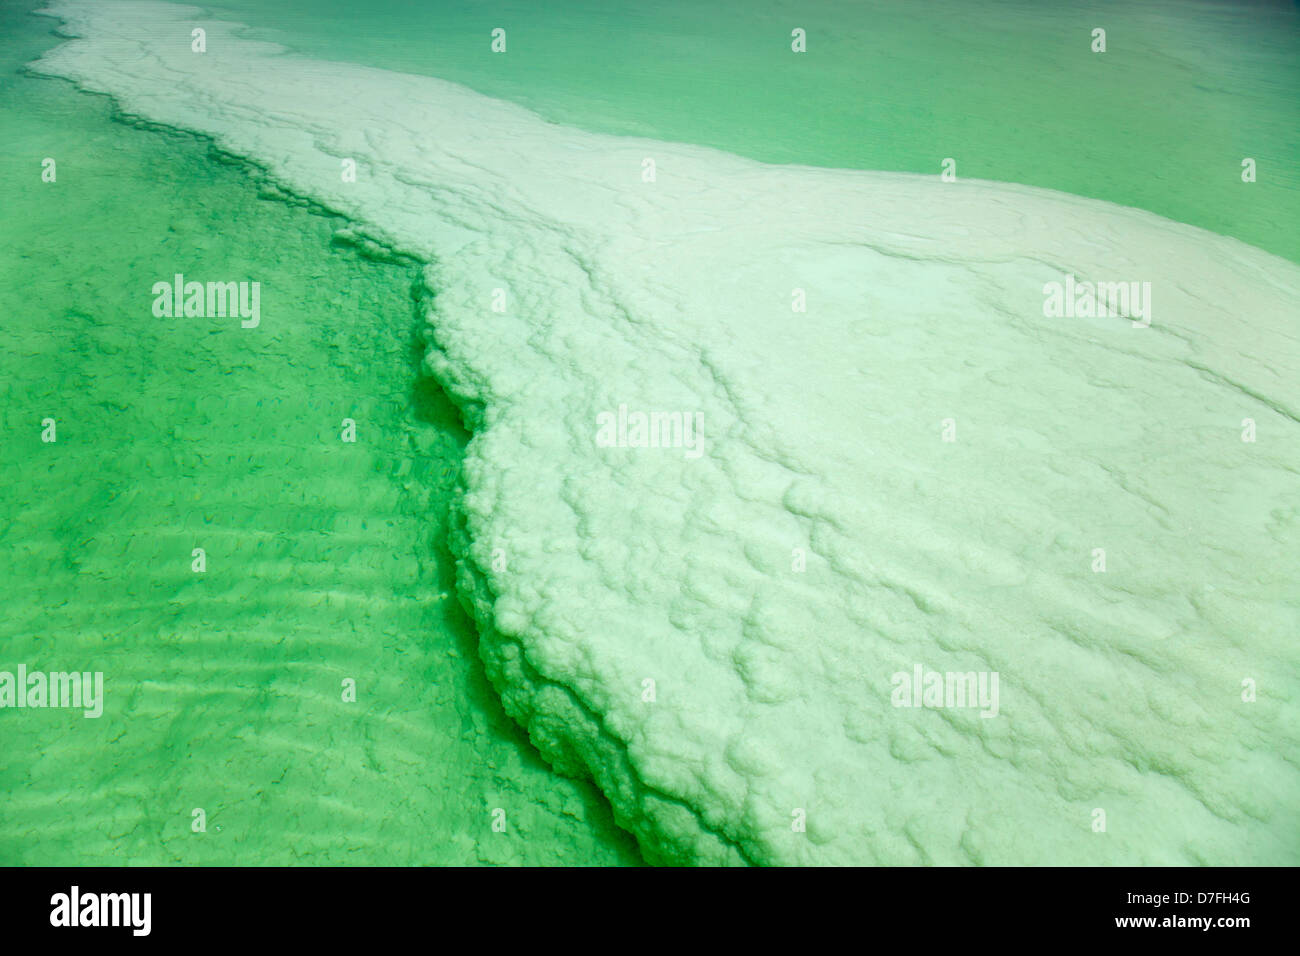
[[1185, 90], [325, 561], [330, 560]]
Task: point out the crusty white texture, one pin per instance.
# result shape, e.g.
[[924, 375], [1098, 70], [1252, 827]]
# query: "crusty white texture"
[[593, 570]]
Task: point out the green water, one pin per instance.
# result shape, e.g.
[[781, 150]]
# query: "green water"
[[325, 560], [1010, 89]]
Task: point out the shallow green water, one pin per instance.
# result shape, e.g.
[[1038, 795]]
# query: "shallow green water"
[[1009, 88], [325, 560], [328, 560]]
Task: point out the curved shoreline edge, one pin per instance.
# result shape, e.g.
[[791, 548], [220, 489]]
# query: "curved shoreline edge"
[[713, 776], [577, 747]]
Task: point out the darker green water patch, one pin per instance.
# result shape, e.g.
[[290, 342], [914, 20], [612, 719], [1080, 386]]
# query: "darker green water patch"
[[324, 567]]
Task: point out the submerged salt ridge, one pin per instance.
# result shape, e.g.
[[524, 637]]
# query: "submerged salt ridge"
[[594, 568]]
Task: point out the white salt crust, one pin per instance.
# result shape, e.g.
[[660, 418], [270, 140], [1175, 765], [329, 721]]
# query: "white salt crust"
[[594, 569]]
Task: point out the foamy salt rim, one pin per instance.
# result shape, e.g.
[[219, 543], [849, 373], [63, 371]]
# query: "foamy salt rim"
[[914, 475]]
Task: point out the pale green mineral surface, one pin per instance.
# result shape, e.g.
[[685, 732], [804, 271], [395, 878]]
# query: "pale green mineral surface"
[[901, 462]]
